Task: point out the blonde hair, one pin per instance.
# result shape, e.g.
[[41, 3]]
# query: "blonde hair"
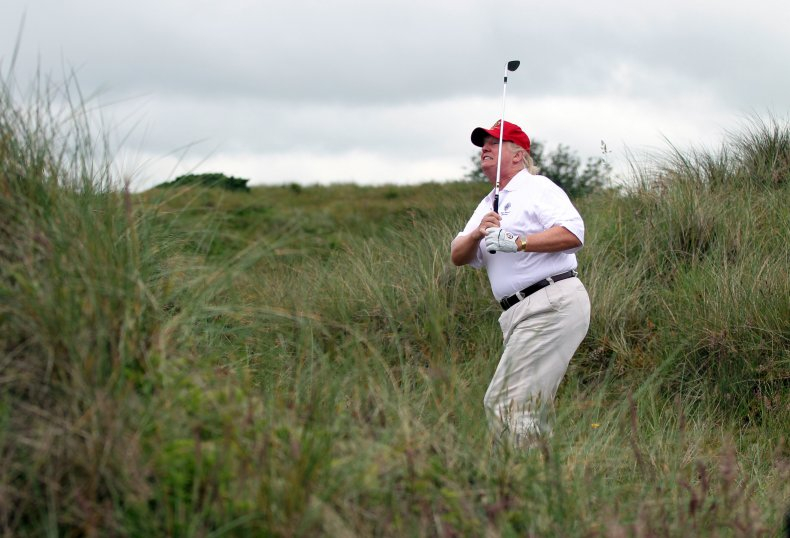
[[529, 164]]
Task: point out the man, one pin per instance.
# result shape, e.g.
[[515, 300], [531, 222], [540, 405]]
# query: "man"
[[546, 309]]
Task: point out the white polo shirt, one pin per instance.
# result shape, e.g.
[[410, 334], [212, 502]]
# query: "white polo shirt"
[[527, 204]]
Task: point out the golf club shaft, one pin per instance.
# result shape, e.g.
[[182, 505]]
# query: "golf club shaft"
[[499, 149]]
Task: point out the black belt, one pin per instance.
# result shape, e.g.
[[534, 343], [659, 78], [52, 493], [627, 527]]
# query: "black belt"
[[507, 302]]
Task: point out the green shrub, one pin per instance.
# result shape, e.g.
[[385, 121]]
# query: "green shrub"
[[210, 180]]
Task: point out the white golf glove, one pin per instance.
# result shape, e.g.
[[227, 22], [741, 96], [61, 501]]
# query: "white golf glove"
[[500, 240]]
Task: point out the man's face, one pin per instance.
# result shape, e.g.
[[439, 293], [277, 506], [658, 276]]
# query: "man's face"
[[489, 154]]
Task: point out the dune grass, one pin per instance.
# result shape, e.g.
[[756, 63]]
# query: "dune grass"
[[304, 361]]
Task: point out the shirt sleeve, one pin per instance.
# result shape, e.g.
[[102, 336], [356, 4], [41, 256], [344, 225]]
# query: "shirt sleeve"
[[560, 211]]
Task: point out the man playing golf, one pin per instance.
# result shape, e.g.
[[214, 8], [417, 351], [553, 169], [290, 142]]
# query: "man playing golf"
[[528, 249]]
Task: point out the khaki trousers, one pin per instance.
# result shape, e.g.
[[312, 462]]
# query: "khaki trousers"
[[541, 334]]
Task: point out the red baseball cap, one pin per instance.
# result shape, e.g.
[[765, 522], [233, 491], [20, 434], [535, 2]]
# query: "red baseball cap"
[[511, 133]]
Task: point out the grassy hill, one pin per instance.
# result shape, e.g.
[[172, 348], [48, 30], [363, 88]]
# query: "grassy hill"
[[306, 361]]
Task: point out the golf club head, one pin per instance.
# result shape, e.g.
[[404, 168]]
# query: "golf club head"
[[512, 65]]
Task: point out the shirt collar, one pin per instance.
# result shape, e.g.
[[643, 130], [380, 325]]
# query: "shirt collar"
[[519, 181]]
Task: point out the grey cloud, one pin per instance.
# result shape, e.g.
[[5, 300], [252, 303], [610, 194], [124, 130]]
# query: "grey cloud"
[[385, 52], [342, 75]]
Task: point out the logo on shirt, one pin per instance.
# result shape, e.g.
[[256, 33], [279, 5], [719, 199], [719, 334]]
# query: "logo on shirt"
[[506, 209]]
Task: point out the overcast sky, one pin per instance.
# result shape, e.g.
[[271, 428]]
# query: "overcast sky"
[[389, 91]]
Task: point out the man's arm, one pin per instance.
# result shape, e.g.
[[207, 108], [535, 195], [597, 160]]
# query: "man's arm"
[[555, 239], [464, 247]]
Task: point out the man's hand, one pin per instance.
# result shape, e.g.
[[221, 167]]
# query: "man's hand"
[[500, 240], [490, 220]]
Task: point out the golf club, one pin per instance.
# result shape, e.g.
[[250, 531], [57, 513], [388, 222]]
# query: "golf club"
[[512, 65]]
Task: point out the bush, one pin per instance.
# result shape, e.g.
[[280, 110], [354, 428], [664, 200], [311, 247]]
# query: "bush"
[[211, 180]]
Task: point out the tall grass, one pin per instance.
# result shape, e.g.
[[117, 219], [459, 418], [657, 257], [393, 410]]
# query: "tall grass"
[[82, 291], [702, 246], [302, 362]]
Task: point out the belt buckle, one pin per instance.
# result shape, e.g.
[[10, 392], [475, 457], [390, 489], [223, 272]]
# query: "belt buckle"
[[519, 295]]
